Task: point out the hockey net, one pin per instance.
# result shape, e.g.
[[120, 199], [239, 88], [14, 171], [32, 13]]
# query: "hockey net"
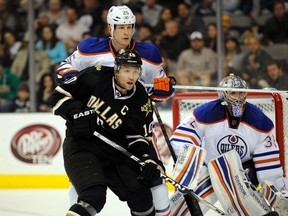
[[274, 105]]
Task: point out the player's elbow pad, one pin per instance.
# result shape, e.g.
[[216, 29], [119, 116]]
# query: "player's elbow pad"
[[66, 73]]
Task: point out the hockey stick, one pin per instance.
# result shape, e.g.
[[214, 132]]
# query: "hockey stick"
[[206, 88], [192, 203], [163, 175]]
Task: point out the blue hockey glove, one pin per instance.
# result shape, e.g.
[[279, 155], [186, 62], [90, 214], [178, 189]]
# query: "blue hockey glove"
[[163, 89], [64, 74]]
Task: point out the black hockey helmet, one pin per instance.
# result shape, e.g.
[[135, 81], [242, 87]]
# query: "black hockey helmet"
[[127, 57]]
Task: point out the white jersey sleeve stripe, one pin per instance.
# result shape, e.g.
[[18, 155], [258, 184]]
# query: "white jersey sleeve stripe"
[[59, 103]]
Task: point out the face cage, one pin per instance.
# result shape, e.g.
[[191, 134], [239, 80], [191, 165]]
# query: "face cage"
[[235, 106]]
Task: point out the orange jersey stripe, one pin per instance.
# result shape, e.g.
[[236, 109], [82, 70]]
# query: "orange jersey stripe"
[[188, 136]]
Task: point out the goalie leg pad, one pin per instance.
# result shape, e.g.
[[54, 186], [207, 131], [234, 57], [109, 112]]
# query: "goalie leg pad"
[[203, 189], [232, 187], [275, 197], [188, 164]]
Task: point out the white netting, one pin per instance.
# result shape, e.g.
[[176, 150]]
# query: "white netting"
[[270, 104]]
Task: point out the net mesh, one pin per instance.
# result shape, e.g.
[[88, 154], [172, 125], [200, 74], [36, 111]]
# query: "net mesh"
[[275, 106]]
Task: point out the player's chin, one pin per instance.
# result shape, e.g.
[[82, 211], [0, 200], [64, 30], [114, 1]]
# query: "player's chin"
[[129, 86]]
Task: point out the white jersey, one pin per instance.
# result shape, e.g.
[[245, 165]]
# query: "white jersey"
[[100, 51], [208, 126]]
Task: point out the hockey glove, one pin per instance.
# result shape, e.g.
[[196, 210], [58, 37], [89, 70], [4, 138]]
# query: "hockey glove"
[[84, 122], [163, 89], [64, 74], [152, 169]]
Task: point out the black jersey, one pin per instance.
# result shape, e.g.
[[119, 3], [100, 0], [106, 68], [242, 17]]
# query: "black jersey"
[[125, 119]]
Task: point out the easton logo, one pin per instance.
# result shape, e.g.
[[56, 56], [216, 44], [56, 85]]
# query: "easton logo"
[[36, 144]]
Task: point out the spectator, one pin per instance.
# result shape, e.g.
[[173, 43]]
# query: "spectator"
[[9, 18], [151, 12], [21, 102], [165, 15], [233, 56], [46, 87], [205, 8], [253, 31], [254, 63], [187, 22], [101, 29], [276, 28], [71, 31], [20, 65], [211, 39], [9, 84], [53, 46], [172, 44], [90, 14], [11, 47], [56, 13], [274, 77], [144, 34], [230, 7], [39, 23], [227, 29], [197, 64]]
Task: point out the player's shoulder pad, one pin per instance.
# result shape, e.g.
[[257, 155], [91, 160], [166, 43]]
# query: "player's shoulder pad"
[[210, 112], [95, 74], [149, 52], [256, 118], [93, 45]]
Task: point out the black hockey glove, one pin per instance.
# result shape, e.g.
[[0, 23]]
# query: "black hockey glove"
[[84, 122], [152, 169]]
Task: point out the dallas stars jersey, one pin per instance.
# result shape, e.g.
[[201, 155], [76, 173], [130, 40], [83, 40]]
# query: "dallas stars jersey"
[[126, 119], [94, 50], [209, 127]]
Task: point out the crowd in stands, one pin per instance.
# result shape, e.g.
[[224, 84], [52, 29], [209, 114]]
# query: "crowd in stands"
[[255, 39]]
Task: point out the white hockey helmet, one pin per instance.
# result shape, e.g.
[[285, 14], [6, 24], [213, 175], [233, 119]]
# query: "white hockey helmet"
[[234, 100], [120, 15]]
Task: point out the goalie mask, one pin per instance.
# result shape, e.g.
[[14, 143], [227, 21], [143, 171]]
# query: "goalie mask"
[[234, 100], [120, 15]]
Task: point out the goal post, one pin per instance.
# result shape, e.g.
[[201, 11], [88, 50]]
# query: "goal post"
[[274, 105]]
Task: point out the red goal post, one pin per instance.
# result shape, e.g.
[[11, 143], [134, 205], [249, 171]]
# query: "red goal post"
[[274, 105]]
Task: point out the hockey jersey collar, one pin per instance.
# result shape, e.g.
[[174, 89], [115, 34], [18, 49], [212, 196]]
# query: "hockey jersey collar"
[[119, 95], [113, 51]]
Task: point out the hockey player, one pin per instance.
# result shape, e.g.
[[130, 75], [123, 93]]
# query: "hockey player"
[[91, 51], [121, 25], [118, 107], [237, 137]]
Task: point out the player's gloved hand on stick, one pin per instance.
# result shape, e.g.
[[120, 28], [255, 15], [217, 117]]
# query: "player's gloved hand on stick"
[[84, 121], [152, 169], [163, 88], [64, 74]]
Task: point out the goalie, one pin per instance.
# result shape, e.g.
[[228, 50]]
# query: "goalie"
[[241, 154]]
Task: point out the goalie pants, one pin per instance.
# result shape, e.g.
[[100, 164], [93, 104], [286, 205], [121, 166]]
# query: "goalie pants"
[[90, 175]]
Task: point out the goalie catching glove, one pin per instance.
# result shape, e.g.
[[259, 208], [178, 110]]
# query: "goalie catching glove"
[[163, 88], [152, 169], [84, 120]]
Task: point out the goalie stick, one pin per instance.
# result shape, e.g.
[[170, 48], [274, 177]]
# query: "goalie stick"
[[191, 201], [163, 175]]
